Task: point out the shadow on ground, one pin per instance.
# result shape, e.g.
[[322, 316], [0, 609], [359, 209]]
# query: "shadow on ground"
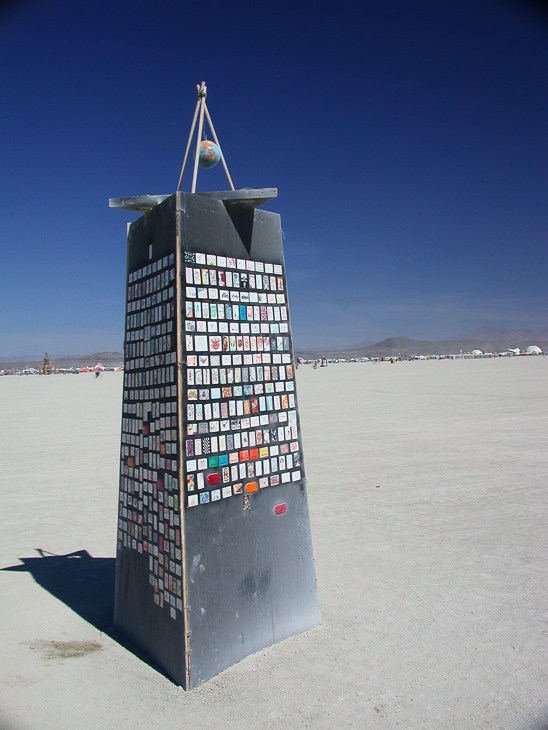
[[85, 584]]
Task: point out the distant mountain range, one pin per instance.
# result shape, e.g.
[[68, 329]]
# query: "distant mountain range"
[[486, 339], [500, 334]]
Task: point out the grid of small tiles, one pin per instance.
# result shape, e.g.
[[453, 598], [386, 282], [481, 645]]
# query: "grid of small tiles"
[[241, 432], [149, 510]]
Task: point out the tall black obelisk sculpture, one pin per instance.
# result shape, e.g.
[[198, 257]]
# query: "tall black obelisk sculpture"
[[214, 557]]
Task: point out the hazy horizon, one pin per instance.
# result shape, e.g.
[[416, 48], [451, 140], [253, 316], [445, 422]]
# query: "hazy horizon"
[[503, 333]]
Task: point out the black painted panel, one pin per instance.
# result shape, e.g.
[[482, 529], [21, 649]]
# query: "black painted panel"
[[156, 628], [251, 578]]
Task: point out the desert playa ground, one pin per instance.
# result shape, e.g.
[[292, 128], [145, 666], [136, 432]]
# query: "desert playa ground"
[[427, 486]]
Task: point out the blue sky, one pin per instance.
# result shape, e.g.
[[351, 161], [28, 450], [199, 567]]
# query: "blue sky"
[[408, 142]]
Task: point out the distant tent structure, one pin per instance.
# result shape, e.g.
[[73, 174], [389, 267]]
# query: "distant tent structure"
[[533, 350], [90, 369]]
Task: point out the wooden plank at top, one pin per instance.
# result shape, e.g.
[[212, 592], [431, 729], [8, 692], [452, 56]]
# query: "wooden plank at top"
[[248, 197]]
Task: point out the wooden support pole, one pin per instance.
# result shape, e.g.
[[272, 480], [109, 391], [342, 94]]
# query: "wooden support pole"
[[219, 146], [200, 128], [188, 144]]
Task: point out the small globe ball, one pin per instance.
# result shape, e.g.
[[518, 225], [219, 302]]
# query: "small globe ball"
[[210, 154]]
